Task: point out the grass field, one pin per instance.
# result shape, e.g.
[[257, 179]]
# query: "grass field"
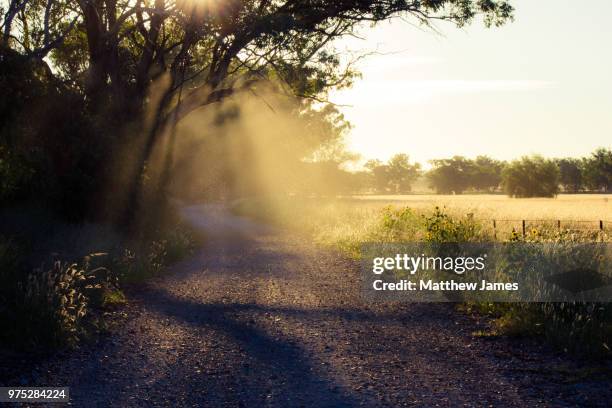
[[355, 215], [355, 219], [581, 212], [578, 207]]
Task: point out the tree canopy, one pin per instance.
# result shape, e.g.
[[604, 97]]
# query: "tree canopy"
[[116, 49], [395, 177], [451, 175], [129, 70], [531, 176], [597, 170]]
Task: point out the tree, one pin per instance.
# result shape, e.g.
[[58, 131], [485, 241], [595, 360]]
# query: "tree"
[[379, 175], [531, 176], [598, 170], [450, 175], [570, 174], [325, 130], [486, 173], [401, 173], [147, 64], [395, 177]]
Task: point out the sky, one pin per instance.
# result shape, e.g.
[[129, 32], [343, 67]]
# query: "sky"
[[541, 84]]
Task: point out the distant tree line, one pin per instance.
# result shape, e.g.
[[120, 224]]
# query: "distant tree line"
[[529, 176]]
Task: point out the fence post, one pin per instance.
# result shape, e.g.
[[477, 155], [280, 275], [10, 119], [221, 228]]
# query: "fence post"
[[494, 229], [601, 225], [559, 224], [523, 228]]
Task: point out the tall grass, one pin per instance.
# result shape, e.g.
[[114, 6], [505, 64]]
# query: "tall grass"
[[62, 300], [47, 306]]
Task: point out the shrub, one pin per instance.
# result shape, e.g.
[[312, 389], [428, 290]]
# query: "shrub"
[[148, 259], [404, 224], [441, 227], [179, 243], [133, 266]]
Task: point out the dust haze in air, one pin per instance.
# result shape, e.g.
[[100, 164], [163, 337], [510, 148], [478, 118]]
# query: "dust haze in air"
[[256, 143]]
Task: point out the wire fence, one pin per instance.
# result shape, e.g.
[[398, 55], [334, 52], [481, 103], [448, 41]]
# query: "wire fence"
[[522, 226]]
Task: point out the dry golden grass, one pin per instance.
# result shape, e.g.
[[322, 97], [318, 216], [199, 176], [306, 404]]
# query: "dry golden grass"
[[577, 207], [351, 220]]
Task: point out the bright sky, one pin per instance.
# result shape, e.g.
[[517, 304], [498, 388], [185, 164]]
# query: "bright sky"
[[542, 84]]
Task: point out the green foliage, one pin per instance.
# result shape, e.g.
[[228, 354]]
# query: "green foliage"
[[579, 328], [598, 170], [179, 244], [441, 227], [528, 177], [148, 258], [486, 174], [570, 174], [407, 225], [400, 224], [450, 175], [52, 153], [401, 173], [378, 174], [531, 177], [395, 177], [295, 39], [112, 299], [85, 124], [458, 174], [325, 129], [583, 328]]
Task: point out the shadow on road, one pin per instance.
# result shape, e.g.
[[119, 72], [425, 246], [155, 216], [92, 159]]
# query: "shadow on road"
[[286, 376]]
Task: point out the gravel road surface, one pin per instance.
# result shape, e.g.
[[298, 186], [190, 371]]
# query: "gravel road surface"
[[262, 318]]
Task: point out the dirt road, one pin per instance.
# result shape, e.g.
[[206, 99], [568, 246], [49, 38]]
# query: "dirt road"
[[260, 318]]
